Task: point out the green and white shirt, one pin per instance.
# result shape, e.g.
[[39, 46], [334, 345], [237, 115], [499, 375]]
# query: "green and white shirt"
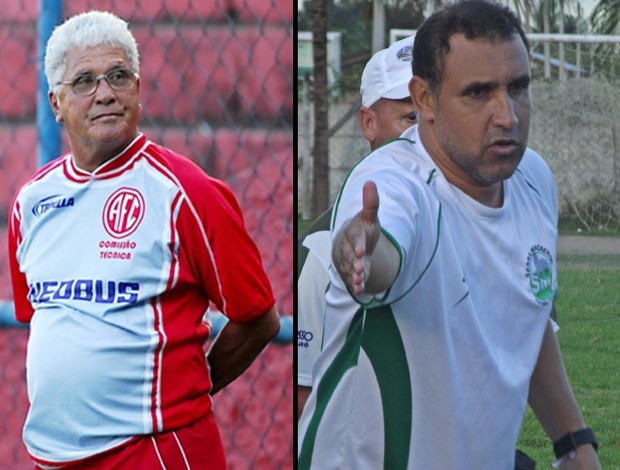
[[434, 373]]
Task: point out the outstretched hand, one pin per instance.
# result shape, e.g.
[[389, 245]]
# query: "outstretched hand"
[[356, 242]]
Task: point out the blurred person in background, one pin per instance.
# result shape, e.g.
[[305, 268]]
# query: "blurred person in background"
[[117, 249], [446, 239]]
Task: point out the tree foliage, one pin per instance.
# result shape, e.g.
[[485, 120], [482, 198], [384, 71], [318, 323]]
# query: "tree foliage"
[[606, 17], [354, 19]]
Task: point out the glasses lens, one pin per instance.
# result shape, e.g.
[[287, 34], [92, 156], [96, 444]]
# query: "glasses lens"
[[119, 79], [84, 84]]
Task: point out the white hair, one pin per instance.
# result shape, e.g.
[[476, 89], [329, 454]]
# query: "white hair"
[[89, 29]]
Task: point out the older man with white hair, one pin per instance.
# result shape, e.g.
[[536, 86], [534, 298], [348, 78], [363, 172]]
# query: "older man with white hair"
[[117, 249]]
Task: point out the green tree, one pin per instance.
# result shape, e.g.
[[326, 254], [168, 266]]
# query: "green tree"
[[353, 18], [524, 10], [561, 15], [355, 25], [605, 19]]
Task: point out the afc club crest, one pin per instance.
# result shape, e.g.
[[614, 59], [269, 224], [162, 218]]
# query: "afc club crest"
[[123, 212]]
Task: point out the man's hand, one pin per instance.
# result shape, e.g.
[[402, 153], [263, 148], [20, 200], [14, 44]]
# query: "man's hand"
[[237, 345], [365, 259], [585, 459]]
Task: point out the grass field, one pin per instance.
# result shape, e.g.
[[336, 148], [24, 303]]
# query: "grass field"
[[588, 309], [589, 315]]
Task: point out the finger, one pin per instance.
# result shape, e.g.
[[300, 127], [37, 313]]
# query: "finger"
[[370, 203], [360, 249], [358, 276], [345, 258], [358, 266], [357, 285]]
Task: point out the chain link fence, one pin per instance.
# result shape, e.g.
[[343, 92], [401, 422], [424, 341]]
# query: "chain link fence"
[[216, 86]]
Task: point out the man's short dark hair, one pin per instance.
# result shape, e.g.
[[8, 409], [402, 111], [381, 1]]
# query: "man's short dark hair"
[[476, 19]]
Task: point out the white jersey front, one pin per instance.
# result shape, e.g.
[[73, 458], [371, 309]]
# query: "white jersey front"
[[434, 373], [115, 270]]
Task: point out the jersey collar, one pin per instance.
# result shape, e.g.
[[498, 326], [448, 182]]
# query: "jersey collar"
[[111, 168]]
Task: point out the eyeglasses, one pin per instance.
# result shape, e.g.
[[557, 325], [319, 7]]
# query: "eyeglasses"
[[87, 84]]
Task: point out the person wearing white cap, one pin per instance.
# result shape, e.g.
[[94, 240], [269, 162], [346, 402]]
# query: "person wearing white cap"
[[387, 109], [446, 238], [386, 112]]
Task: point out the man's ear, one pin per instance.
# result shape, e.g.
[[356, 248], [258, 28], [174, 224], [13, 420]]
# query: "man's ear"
[[53, 99], [368, 123], [423, 98]]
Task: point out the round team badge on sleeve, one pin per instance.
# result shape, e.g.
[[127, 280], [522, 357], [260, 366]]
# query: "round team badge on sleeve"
[[540, 273], [123, 212]]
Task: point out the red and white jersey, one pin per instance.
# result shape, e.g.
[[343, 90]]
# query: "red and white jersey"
[[115, 270]]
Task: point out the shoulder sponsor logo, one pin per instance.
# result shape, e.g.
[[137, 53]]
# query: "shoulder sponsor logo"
[[405, 54], [304, 338], [56, 201], [539, 271], [123, 212]]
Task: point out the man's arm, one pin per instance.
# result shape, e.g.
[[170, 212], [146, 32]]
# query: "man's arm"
[[364, 257], [237, 345], [302, 396], [554, 404]]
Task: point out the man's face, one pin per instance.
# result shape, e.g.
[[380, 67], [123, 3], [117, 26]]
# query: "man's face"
[[106, 120], [482, 116], [390, 118]]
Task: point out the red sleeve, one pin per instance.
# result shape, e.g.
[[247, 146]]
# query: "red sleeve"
[[19, 284], [223, 257]]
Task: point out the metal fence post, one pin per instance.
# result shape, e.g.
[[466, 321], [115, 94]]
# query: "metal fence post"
[[48, 131]]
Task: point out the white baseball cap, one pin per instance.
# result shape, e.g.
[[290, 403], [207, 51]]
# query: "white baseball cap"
[[387, 73]]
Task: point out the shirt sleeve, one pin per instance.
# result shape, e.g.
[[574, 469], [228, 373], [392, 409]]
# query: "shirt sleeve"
[[19, 283], [223, 258]]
